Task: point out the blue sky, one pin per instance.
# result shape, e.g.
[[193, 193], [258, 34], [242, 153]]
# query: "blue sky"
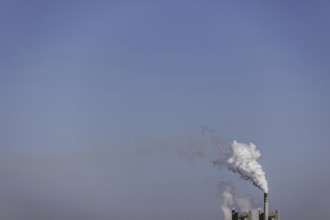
[[103, 103]]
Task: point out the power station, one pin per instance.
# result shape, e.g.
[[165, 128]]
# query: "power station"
[[265, 215]]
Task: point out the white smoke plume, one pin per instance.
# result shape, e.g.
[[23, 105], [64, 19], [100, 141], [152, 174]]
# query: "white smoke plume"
[[227, 203], [243, 204], [231, 201], [248, 202], [243, 159]]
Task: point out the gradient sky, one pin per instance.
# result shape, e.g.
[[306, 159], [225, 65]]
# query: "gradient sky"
[[103, 104]]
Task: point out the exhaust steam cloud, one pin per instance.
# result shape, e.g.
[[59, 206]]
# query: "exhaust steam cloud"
[[243, 160]]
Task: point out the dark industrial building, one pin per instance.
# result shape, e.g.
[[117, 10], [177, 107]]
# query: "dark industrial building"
[[263, 215]]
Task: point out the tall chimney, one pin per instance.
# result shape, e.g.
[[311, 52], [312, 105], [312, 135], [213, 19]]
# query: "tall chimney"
[[265, 206]]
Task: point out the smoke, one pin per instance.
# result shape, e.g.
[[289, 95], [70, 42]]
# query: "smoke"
[[230, 201], [239, 158], [248, 202], [227, 202], [244, 161]]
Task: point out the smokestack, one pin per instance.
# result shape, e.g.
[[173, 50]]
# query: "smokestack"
[[265, 206]]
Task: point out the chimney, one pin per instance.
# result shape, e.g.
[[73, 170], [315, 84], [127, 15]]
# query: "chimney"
[[265, 206]]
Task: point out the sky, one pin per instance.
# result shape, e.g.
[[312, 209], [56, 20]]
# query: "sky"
[[115, 109]]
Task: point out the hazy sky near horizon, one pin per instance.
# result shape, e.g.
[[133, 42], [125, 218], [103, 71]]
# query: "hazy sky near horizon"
[[103, 104]]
